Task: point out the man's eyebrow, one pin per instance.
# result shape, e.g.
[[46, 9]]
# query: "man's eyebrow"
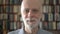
[[35, 9], [26, 8]]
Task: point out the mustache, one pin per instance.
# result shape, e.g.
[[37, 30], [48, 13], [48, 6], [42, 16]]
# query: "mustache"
[[31, 19]]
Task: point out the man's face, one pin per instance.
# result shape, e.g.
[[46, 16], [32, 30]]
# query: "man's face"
[[31, 14]]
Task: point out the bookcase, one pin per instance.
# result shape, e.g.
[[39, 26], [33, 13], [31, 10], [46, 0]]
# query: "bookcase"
[[10, 18], [51, 16], [10, 15]]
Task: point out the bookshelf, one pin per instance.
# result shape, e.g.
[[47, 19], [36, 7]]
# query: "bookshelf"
[[51, 16], [10, 18], [9, 15]]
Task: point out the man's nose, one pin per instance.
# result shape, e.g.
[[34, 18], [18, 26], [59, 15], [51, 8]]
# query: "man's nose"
[[30, 14]]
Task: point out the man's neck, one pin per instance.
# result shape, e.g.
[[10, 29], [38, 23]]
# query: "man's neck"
[[31, 31]]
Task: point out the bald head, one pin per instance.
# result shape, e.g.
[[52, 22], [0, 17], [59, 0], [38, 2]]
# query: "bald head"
[[32, 4]]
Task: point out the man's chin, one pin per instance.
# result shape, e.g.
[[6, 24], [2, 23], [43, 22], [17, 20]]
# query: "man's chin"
[[32, 26]]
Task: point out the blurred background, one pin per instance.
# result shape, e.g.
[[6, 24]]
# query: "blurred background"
[[10, 17]]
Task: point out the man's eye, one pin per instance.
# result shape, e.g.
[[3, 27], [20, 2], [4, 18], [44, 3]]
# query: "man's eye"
[[27, 10]]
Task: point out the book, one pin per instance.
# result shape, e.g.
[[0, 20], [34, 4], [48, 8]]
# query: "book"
[[54, 2], [57, 17], [1, 16], [50, 25], [54, 25], [11, 25], [57, 2], [16, 8], [47, 1], [51, 2], [58, 25], [7, 9], [18, 2], [8, 24], [15, 17], [1, 9], [45, 25], [54, 17], [6, 2], [1, 32], [45, 9], [1, 25], [1, 1], [50, 8], [11, 1], [50, 17], [57, 9], [5, 16], [15, 26], [11, 17], [18, 24], [44, 1], [46, 16], [18, 18], [11, 9], [4, 23]]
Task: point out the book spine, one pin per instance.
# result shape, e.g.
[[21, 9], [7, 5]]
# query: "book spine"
[[1, 1], [54, 25], [11, 9], [50, 17], [1, 16], [57, 2], [45, 9], [57, 17], [47, 1], [11, 25], [11, 17], [50, 7], [54, 2], [15, 17], [5, 16], [11, 1], [58, 25], [50, 25], [50, 2], [15, 25], [57, 9], [46, 17], [16, 9], [45, 25]]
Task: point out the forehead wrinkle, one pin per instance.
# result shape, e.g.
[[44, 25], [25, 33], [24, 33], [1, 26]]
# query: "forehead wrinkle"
[[31, 3]]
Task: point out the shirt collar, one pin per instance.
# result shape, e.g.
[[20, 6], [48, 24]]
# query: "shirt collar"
[[21, 31]]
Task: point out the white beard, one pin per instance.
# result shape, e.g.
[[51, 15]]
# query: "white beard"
[[33, 25]]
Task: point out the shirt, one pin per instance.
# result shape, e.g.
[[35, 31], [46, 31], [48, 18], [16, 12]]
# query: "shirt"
[[21, 31]]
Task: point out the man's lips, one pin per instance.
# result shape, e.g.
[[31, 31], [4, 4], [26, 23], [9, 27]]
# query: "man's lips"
[[30, 20]]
